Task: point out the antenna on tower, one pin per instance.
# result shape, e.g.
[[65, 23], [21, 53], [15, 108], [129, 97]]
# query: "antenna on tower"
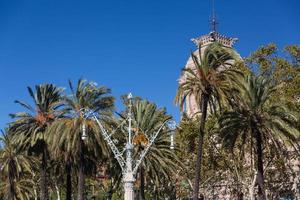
[[213, 20]]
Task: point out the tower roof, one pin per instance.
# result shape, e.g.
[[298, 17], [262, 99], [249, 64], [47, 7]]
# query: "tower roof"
[[214, 37]]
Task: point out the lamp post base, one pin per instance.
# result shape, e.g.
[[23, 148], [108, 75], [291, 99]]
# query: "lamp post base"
[[128, 191]]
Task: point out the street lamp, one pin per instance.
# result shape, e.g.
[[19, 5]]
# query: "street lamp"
[[86, 113], [128, 175], [84, 135], [128, 164], [172, 126]]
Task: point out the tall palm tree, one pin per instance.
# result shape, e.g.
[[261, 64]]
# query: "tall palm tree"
[[86, 96], [15, 164], [207, 83], [160, 161], [29, 127], [256, 116]]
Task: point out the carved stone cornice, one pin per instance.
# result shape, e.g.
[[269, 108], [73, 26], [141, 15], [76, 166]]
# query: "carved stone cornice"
[[214, 37]]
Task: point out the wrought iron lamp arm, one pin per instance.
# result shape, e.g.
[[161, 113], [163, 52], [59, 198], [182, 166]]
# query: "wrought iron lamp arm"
[[143, 154], [111, 144]]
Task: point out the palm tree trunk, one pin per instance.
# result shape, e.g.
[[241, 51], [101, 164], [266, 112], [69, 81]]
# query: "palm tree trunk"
[[35, 186], [252, 186], [35, 194], [11, 187], [68, 181], [204, 103], [57, 191], [260, 165], [81, 172], [43, 174], [142, 186]]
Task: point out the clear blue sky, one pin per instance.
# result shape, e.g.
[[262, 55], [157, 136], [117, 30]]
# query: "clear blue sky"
[[133, 45]]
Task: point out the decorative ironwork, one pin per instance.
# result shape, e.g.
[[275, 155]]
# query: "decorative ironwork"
[[127, 163]]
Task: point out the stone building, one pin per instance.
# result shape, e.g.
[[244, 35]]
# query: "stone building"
[[223, 190]]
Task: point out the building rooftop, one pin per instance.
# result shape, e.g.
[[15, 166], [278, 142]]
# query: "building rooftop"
[[214, 37]]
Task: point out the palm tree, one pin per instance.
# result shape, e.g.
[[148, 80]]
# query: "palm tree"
[[256, 116], [14, 166], [207, 82], [160, 161], [86, 96], [29, 127]]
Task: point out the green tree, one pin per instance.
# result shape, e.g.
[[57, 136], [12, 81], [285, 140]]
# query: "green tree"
[[282, 67], [29, 127], [15, 165], [209, 86], [257, 117], [66, 134]]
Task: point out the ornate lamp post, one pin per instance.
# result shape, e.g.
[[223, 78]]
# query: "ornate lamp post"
[[172, 126], [128, 164], [128, 176]]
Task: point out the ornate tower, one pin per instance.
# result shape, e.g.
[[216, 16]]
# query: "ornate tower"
[[192, 108]]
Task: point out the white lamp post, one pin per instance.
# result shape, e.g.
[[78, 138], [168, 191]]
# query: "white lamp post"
[[172, 126], [128, 176], [129, 165]]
